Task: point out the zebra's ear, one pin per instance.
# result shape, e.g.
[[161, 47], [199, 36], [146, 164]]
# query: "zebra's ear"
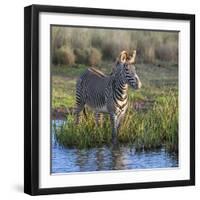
[[132, 59], [123, 57]]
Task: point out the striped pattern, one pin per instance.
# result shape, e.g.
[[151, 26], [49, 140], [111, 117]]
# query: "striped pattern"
[[106, 94]]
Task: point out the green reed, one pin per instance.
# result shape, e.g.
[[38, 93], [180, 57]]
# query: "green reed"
[[149, 128]]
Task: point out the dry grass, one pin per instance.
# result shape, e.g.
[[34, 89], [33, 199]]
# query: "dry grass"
[[96, 45]]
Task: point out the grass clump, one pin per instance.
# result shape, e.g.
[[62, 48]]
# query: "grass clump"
[[147, 129]]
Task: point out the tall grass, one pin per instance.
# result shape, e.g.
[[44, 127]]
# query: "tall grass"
[[152, 128]]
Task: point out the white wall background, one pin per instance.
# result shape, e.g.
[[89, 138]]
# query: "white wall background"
[[11, 98]]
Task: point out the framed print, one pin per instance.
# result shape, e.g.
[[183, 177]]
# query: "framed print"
[[109, 99]]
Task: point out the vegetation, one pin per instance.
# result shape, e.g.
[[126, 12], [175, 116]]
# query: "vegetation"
[[152, 117], [90, 46], [151, 120]]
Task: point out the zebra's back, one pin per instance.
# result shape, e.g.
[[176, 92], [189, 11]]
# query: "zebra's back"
[[91, 88]]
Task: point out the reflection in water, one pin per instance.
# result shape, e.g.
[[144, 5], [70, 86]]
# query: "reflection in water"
[[107, 158]]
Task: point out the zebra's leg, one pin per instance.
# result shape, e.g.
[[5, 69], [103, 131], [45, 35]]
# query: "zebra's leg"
[[80, 103], [113, 119], [98, 118], [79, 108], [120, 120]]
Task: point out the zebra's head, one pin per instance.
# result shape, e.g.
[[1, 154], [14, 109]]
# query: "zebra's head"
[[127, 69]]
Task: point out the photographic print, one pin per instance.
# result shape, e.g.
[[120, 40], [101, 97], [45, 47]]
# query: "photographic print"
[[114, 99], [109, 99]]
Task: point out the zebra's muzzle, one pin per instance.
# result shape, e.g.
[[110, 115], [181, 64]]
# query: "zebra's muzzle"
[[138, 84]]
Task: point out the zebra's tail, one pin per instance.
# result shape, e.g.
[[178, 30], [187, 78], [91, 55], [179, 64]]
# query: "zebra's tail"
[[84, 112]]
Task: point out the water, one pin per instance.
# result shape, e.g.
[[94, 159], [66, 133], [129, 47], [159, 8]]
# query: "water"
[[66, 160]]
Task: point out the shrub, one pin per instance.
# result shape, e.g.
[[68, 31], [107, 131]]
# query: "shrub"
[[140, 51], [145, 50], [94, 57], [88, 56], [107, 50], [149, 54], [63, 55], [81, 55], [96, 41], [167, 52], [79, 38], [95, 45]]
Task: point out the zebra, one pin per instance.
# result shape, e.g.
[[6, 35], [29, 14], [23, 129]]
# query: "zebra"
[[107, 93]]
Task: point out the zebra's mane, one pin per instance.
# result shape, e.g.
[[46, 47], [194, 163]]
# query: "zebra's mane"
[[96, 72]]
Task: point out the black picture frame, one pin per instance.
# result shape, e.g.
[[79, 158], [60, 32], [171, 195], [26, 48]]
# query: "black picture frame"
[[31, 98]]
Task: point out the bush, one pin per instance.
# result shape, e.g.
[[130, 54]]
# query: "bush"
[[88, 56], [167, 52], [149, 55], [96, 41], [81, 56], [145, 51], [64, 56], [94, 57], [110, 50], [95, 45]]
